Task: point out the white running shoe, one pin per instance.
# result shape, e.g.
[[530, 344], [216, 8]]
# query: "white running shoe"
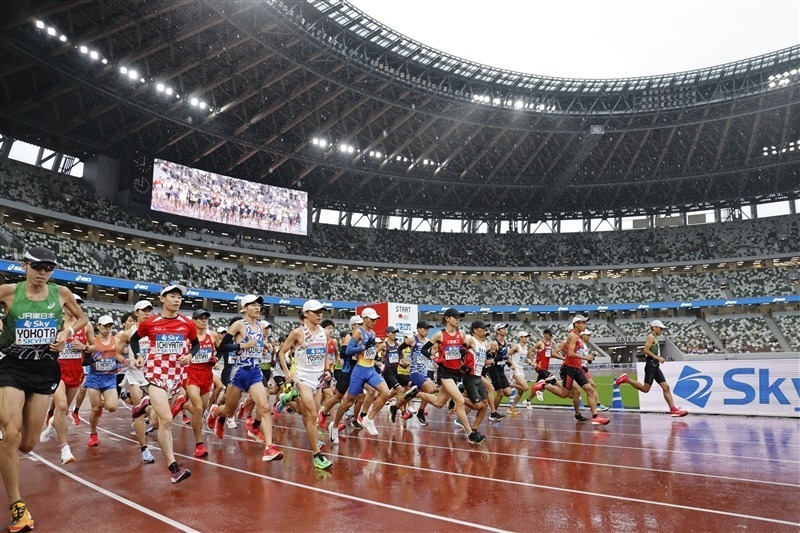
[[369, 425], [539, 396], [333, 432], [48, 433], [230, 422], [66, 455], [147, 457]]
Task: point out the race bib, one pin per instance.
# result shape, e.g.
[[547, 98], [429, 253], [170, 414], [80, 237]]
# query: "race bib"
[[255, 353], [231, 359], [144, 347], [203, 355], [316, 356], [33, 332], [169, 344], [452, 353], [548, 352], [394, 357], [105, 365], [70, 353], [370, 353]]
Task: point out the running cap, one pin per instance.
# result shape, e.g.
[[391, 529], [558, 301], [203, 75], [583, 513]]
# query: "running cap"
[[355, 319], [249, 299], [391, 329], [500, 326], [369, 312], [579, 318], [105, 320], [408, 334], [423, 325], [453, 312], [222, 329], [265, 324], [523, 334], [39, 254], [200, 312], [142, 304], [657, 324], [172, 288], [312, 305], [78, 298], [476, 324], [586, 332]]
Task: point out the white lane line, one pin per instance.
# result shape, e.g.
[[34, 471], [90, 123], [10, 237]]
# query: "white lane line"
[[149, 512]]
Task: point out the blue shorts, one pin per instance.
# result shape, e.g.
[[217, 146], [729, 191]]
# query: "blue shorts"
[[362, 375], [418, 379], [101, 382], [244, 378]]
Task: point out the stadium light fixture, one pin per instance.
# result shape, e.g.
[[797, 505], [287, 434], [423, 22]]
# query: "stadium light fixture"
[[315, 141], [194, 102], [160, 87], [83, 49], [132, 74], [51, 31], [39, 24], [123, 70], [168, 90], [63, 38], [378, 155], [94, 55]]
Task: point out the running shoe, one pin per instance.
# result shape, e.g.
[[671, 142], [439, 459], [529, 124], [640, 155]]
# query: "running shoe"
[[133, 429], [139, 409], [147, 457], [48, 433], [219, 429], [622, 379], [342, 426], [601, 407], [369, 425], [76, 420], [178, 405], [393, 413], [187, 420], [600, 420], [200, 450], [678, 412], [322, 419], [321, 462], [580, 418], [406, 415], [180, 474], [66, 455], [475, 437], [287, 397], [411, 408], [149, 429], [512, 411], [212, 417], [333, 433], [48, 419], [421, 418], [496, 417], [457, 422], [528, 405], [240, 411], [21, 519], [356, 424], [412, 393], [539, 396], [231, 423], [255, 433], [93, 440], [320, 444], [271, 453]]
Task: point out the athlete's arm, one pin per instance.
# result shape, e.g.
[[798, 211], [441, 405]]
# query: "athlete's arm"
[[356, 344], [68, 301], [289, 344], [649, 344], [558, 353], [6, 298]]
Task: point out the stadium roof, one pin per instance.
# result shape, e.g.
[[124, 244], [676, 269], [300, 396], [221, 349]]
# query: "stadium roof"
[[318, 96]]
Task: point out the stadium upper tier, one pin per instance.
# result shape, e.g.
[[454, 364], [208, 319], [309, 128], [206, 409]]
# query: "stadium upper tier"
[[313, 95]]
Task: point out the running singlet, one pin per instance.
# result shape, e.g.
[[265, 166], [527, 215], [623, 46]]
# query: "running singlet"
[[71, 354], [169, 338], [449, 355], [205, 355], [311, 355], [419, 363], [104, 360], [518, 354], [655, 348], [543, 356], [30, 328], [392, 357], [502, 352], [367, 357], [251, 357], [572, 360], [478, 355]]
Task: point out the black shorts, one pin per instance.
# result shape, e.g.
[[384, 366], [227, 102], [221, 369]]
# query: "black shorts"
[[391, 380], [498, 376], [545, 375], [404, 380], [337, 374], [343, 383], [265, 375], [570, 374], [33, 376], [279, 381], [653, 373], [448, 373], [120, 379], [225, 376], [476, 392]]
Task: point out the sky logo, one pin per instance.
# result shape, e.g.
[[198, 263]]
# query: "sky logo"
[[694, 386]]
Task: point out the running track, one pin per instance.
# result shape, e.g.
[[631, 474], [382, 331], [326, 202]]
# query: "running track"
[[537, 471]]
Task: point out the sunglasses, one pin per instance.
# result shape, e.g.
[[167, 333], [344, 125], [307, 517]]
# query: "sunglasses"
[[42, 266]]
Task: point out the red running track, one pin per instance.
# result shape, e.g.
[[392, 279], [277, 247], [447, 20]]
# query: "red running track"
[[535, 471]]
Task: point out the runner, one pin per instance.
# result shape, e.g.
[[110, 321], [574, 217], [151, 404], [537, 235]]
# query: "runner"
[[477, 345], [571, 369], [342, 378], [418, 375], [311, 366], [652, 370], [30, 338], [170, 334], [200, 378], [496, 372], [517, 354], [101, 380], [586, 335], [543, 351]]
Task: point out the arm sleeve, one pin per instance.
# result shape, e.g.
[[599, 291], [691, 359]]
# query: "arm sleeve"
[[426, 350], [354, 348], [227, 345], [134, 343], [195, 346]]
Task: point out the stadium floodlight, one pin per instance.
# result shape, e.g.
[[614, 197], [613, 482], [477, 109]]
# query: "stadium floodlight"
[[94, 55], [315, 141], [378, 155], [123, 70], [323, 143], [63, 38], [104, 61], [160, 87], [372, 153], [141, 80], [194, 102], [350, 149], [83, 49], [51, 31], [40, 24], [342, 147], [168, 90], [202, 105], [518, 104], [132, 74]]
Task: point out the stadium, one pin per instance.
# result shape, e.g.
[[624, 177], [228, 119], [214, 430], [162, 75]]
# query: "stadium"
[[300, 150]]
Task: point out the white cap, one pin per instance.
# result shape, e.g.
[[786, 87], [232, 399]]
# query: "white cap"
[[142, 304], [250, 298], [105, 320], [657, 324], [369, 312], [523, 334], [78, 298], [579, 318], [355, 319], [312, 305], [586, 332], [378, 340], [170, 288], [500, 326], [408, 334], [265, 324], [222, 329]]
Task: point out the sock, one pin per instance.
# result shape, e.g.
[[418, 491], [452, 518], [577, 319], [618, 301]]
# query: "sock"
[[198, 444], [318, 454], [362, 415], [174, 467], [144, 448], [256, 424], [594, 415], [221, 420], [51, 411], [75, 410]]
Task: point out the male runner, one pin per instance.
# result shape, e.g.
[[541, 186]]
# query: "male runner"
[[200, 378], [101, 380], [571, 369]]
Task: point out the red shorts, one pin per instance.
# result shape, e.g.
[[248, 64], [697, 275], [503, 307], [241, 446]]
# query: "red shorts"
[[71, 374], [201, 377]]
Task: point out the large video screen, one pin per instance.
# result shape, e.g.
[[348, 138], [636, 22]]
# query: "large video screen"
[[194, 193]]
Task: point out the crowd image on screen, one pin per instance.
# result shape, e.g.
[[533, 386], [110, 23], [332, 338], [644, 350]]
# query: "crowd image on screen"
[[195, 193]]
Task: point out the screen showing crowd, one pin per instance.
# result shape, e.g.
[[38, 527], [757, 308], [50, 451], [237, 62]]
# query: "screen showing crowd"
[[195, 193]]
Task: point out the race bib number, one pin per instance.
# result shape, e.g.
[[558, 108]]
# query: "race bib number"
[[451, 353], [231, 359], [144, 347], [548, 352], [370, 353], [105, 365], [70, 353], [316, 356], [256, 353], [203, 355], [394, 357], [33, 332], [172, 344]]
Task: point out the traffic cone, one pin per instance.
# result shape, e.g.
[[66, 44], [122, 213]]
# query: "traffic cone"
[[616, 398]]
